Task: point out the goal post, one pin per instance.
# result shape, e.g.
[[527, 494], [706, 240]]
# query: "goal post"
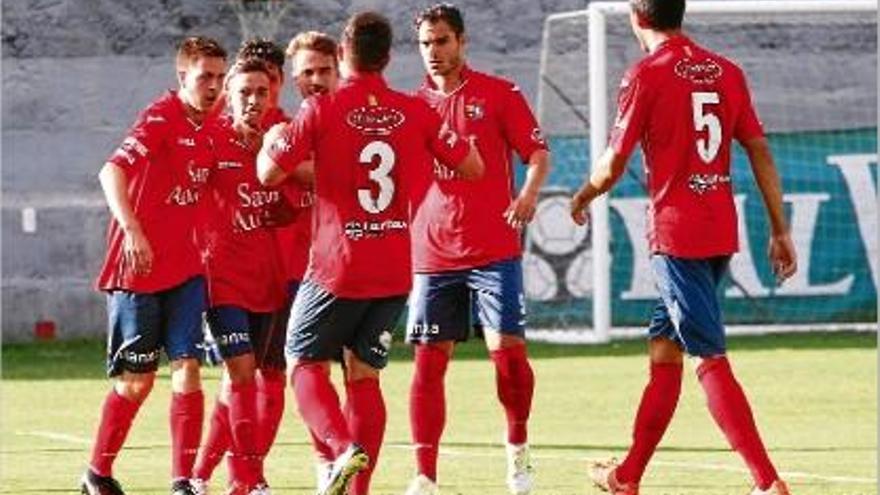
[[812, 68]]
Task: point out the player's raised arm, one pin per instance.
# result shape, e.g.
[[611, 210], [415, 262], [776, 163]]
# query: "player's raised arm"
[[605, 174], [136, 249], [268, 171], [781, 250]]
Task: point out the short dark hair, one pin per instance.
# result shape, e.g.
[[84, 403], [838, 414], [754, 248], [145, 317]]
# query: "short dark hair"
[[368, 37], [193, 47], [662, 15], [263, 49], [446, 12], [246, 66]]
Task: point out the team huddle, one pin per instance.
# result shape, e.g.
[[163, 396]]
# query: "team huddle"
[[301, 241]]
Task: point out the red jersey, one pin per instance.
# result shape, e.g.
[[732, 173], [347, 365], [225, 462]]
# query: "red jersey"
[[372, 147], [460, 224], [293, 239], [685, 104], [242, 262], [165, 158]]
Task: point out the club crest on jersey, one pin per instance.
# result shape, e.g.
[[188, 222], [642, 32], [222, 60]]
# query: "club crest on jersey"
[[474, 110], [698, 72], [375, 120]]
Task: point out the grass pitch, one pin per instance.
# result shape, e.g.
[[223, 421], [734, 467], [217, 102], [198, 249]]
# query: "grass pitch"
[[814, 395]]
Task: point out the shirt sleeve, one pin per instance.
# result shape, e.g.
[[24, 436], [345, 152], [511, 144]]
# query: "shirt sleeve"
[[518, 124], [747, 124], [294, 145], [445, 144], [144, 140], [631, 116]]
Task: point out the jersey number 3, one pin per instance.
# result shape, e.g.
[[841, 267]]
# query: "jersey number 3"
[[379, 175], [704, 119]]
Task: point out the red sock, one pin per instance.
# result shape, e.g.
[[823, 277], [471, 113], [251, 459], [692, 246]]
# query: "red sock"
[[245, 462], [117, 414], [322, 451], [270, 407], [187, 414], [655, 412], [730, 408], [365, 415], [318, 405], [216, 444], [516, 384], [427, 406]]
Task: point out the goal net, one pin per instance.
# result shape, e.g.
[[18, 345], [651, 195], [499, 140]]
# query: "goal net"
[[812, 70]]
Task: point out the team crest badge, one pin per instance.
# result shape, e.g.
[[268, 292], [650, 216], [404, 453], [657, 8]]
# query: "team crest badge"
[[474, 111]]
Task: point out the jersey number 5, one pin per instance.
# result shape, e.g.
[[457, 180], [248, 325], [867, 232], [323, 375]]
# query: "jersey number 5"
[[703, 119], [379, 175]]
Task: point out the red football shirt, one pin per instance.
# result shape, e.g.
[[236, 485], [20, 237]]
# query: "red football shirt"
[[242, 262], [460, 224], [166, 158], [372, 146], [685, 104], [294, 239]]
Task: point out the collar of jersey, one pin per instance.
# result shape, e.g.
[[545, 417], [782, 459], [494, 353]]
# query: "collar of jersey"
[[465, 77]]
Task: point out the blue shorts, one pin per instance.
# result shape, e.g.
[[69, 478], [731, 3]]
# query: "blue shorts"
[[237, 331], [321, 325], [443, 306], [141, 324], [688, 311]]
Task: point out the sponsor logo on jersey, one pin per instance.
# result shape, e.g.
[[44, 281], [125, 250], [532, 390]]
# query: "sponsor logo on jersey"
[[356, 230], [223, 165], [703, 183], [698, 71], [187, 141], [375, 120], [155, 118]]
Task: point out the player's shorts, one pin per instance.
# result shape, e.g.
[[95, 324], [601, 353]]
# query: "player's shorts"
[[689, 312], [141, 325], [443, 306], [237, 331], [321, 325]]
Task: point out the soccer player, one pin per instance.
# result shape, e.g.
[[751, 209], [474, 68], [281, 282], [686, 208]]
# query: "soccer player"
[[245, 286], [685, 104], [467, 251], [371, 145], [315, 71], [270, 335], [152, 273]]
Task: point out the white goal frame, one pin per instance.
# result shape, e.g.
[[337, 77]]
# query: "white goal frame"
[[596, 15]]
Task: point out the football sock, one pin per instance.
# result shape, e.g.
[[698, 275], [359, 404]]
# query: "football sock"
[[216, 444], [117, 415], [365, 415], [186, 416], [318, 405], [323, 452], [245, 461], [515, 383], [659, 400], [270, 406], [427, 406], [730, 408]]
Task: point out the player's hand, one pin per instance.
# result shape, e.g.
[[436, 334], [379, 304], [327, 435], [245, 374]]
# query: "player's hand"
[[782, 256], [579, 209], [136, 251], [521, 210]]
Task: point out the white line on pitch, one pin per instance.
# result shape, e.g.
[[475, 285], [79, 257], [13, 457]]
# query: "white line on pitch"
[[688, 465], [51, 435]]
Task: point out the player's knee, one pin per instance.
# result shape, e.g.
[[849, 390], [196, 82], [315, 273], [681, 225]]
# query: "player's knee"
[[662, 351], [241, 369], [185, 376], [135, 386], [356, 369], [496, 340]]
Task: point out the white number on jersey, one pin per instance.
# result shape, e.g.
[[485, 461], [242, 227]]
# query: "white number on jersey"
[[379, 175], [704, 119]]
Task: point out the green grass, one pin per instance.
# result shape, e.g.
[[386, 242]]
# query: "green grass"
[[814, 396]]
